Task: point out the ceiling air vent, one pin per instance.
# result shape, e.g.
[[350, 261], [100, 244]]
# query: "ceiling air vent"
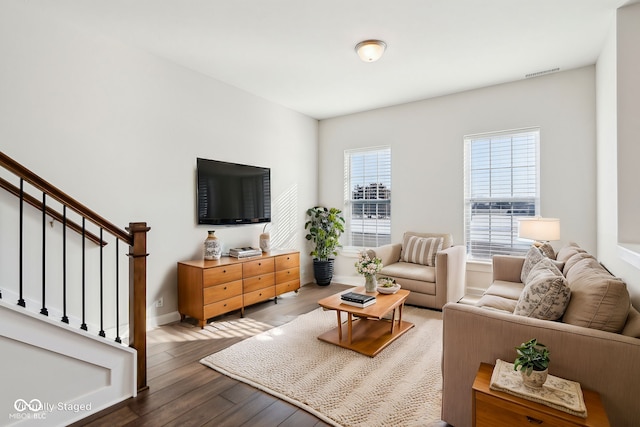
[[541, 73]]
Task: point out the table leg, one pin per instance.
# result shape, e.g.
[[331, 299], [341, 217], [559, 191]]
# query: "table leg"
[[349, 328], [339, 325], [393, 320], [400, 318]]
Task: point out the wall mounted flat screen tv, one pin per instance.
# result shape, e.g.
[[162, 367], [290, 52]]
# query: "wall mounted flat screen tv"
[[230, 193]]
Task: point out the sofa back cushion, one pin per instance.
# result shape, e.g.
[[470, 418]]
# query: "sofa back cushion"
[[568, 251], [598, 300], [420, 250], [632, 325], [546, 293]]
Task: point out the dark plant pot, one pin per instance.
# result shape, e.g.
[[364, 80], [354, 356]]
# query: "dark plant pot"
[[323, 271]]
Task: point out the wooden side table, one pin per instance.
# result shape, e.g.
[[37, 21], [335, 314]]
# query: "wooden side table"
[[497, 409]]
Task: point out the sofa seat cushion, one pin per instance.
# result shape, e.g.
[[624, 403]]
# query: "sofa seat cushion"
[[546, 294], [495, 302], [407, 270], [509, 290], [598, 300]]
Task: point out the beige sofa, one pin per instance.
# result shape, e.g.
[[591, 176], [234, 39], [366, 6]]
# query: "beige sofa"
[[595, 342], [433, 285]]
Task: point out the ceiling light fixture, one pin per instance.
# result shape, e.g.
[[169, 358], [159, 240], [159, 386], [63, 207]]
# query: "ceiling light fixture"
[[370, 50]]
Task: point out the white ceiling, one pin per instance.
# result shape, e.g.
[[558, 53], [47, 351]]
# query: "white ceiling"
[[300, 53]]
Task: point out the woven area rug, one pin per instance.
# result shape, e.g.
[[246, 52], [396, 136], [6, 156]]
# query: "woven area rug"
[[401, 386]]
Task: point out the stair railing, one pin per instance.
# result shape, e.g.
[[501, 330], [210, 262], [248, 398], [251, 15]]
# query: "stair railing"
[[135, 236]]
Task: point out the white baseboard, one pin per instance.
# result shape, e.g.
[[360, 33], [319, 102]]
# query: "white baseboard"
[[163, 319]]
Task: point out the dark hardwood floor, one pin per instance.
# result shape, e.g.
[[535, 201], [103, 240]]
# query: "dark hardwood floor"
[[183, 392]]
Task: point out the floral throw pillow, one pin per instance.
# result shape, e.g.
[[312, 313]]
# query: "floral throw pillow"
[[533, 257], [546, 295]]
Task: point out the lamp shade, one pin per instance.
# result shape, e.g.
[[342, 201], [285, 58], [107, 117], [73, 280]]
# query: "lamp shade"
[[538, 228], [370, 50]]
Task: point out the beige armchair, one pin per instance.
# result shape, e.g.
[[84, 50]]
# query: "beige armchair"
[[431, 286]]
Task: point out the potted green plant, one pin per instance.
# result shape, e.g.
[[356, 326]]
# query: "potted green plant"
[[533, 363], [325, 226]]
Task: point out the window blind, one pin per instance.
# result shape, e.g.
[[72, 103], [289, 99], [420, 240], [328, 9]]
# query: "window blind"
[[367, 179], [501, 185]]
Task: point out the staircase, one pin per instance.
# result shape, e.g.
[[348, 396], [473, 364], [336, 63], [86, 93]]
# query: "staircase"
[[72, 304]]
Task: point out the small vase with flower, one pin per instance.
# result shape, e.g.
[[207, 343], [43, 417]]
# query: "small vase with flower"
[[368, 267]]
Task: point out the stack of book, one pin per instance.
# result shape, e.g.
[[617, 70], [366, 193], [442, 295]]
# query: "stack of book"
[[244, 252], [358, 300]]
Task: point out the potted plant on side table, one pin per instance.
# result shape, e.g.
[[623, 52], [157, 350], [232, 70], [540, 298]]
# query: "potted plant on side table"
[[324, 229], [533, 363]]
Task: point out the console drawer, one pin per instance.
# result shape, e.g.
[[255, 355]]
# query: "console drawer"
[[223, 274], [287, 261], [221, 292], [257, 267], [258, 282], [287, 275], [221, 307], [282, 288], [259, 295]]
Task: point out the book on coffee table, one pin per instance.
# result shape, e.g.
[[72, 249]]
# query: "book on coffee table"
[[359, 304], [355, 297]]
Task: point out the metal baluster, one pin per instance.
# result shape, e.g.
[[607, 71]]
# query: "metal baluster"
[[21, 301], [44, 310], [84, 325], [101, 333], [65, 319], [118, 340]]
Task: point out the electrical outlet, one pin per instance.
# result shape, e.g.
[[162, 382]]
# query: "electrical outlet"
[[160, 302]]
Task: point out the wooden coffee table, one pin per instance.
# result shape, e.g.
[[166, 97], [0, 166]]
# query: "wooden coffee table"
[[368, 333]]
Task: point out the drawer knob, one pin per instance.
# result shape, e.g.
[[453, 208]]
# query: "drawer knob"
[[225, 288], [225, 304], [224, 271], [533, 420], [259, 263]]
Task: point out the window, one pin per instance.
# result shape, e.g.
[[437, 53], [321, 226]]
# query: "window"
[[501, 185], [367, 179]]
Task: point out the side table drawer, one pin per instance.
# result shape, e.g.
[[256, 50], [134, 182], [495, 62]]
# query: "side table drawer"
[[494, 412], [221, 307], [287, 261], [258, 282], [223, 274], [259, 295], [220, 292]]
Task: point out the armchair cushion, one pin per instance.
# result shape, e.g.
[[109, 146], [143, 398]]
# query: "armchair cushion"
[[406, 270], [421, 250]]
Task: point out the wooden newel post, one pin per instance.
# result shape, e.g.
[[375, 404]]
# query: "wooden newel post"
[[138, 297]]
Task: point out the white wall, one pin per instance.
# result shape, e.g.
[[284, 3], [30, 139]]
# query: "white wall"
[[426, 140], [120, 130], [608, 154]]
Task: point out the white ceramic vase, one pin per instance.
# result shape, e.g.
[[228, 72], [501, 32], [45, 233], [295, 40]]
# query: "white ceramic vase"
[[212, 247]]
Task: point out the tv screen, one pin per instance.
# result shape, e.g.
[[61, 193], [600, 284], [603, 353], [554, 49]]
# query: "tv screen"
[[230, 193]]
